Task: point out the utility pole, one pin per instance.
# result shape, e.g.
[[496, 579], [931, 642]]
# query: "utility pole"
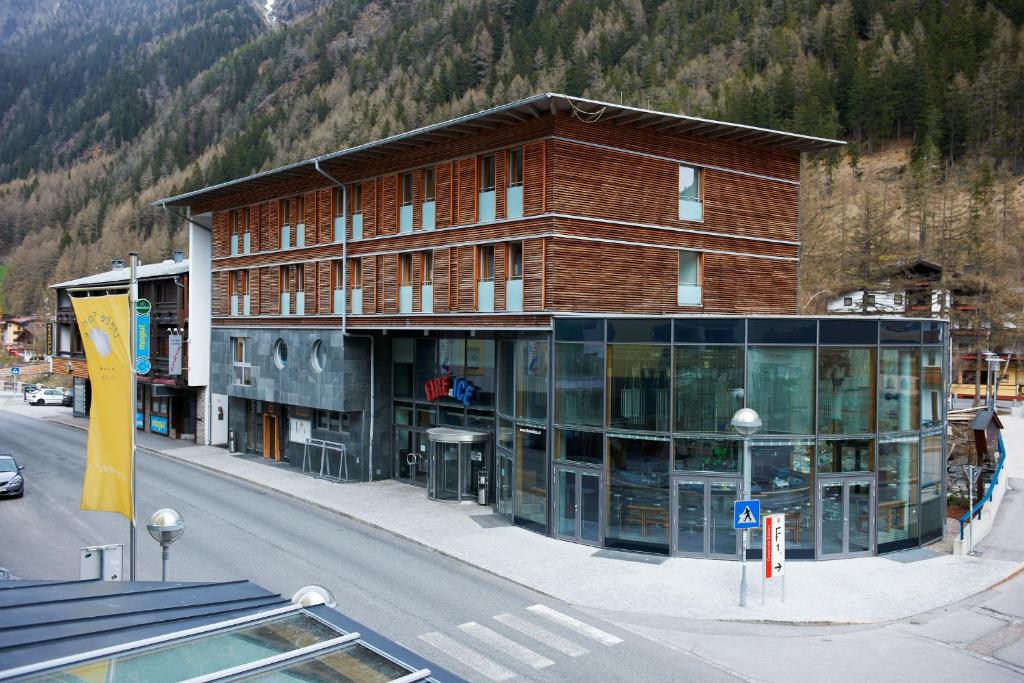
[[133, 296]]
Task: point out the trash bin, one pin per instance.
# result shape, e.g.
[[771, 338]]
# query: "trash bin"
[[481, 488]]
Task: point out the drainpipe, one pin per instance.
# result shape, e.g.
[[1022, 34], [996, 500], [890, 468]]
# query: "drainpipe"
[[344, 310]]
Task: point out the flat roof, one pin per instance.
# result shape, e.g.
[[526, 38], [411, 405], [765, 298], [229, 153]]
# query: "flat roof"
[[522, 110]]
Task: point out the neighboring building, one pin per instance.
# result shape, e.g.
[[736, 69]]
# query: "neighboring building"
[[171, 399], [552, 278], [19, 335], [913, 288]]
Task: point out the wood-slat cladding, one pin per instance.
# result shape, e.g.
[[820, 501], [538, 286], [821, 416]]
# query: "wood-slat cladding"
[[534, 178], [309, 285], [389, 283], [325, 294], [466, 285], [417, 293], [775, 162], [442, 280], [500, 183], [325, 217], [254, 291], [389, 205], [618, 278], [502, 322], [444, 195], [621, 186], [533, 274], [370, 208], [499, 277], [270, 291], [417, 199], [220, 304], [465, 199]]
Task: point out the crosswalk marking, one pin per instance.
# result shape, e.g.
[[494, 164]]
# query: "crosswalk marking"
[[505, 645], [566, 647], [575, 625], [467, 656]]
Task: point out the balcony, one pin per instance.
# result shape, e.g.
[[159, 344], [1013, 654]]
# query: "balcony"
[[300, 303], [405, 299], [339, 228], [285, 303], [234, 245], [245, 305], [339, 301], [427, 298], [357, 301], [246, 243], [405, 219], [485, 296], [286, 236], [234, 304], [300, 235], [486, 206], [514, 295], [357, 226], [428, 215], [514, 202], [690, 210], [689, 295]]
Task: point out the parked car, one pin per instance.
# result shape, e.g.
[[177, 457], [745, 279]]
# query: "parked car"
[[49, 397], [69, 398], [12, 482], [27, 389]]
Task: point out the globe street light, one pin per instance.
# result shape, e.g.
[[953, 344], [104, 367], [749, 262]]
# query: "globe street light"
[[746, 422], [313, 595], [166, 526]]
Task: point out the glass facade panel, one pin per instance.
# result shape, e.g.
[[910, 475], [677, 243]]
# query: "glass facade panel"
[[579, 384], [708, 387], [426, 366], [531, 385], [848, 332], [898, 381], [480, 370], [708, 455], [703, 331], [780, 387], [782, 331], [579, 329], [845, 455], [846, 391], [932, 394], [579, 446], [638, 330], [531, 493], [897, 494], [932, 509], [638, 471], [638, 386], [934, 332], [402, 367], [506, 376], [781, 478], [900, 332]]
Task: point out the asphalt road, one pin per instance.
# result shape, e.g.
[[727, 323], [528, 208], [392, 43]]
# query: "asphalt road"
[[236, 531]]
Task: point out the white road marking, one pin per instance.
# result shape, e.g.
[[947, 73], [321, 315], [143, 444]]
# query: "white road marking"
[[563, 645], [467, 656], [505, 645], [575, 625]]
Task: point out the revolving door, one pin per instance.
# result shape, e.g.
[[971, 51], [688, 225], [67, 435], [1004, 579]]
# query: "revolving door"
[[457, 460]]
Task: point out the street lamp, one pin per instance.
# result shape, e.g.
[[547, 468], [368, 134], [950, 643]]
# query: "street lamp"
[[313, 595], [992, 383], [166, 526], [746, 422]]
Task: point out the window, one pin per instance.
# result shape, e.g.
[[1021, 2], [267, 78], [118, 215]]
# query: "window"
[[898, 298], [515, 167], [240, 366], [780, 387], [404, 270], [280, 354], [689, 278], [487, 173], [846, 391], [300, 278], [357, 198], [869, 299], [337, 274], [286, 215], [427, 271], [485, 264], [514, 261], [428, 184], [241, 284], [848, 301], [339, 202], [406, 189], [318, 357], [708, 384], [690, 201], [356, 273]]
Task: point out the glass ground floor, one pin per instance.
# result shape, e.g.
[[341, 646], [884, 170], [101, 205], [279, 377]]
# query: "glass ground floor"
[[616, 432]]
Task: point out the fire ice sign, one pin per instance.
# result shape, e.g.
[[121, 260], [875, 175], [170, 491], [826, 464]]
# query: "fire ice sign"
[[774, 551], [746, 514]]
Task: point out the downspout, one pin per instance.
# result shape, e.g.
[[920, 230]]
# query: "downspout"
[[344, 310]]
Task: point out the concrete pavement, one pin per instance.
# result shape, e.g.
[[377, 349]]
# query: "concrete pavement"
[[855, 591]]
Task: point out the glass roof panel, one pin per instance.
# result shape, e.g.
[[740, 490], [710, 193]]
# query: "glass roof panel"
[[353, 664]]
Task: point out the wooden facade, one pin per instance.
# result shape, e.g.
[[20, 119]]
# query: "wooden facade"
[[600, 228]]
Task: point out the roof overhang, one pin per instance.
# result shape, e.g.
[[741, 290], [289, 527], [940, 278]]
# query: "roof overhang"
[[515, 112]]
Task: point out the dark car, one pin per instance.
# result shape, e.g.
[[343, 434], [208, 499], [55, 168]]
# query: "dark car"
[[12, 482], [69, 398]]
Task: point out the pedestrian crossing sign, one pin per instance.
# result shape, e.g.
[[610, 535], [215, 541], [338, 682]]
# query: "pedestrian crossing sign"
[[746, 514]]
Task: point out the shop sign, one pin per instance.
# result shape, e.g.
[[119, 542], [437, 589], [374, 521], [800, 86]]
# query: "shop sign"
[[158, 424], [78, 410], [50, 350], [459, 388], [140, 420], [174, 354]]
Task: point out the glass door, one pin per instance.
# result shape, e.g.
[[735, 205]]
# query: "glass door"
[[845, 509], [411, 456], [702, 511], [578, 505], [443, 477], [503, 485]]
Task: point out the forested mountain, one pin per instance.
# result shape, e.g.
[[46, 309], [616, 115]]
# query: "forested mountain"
[[106, 105]]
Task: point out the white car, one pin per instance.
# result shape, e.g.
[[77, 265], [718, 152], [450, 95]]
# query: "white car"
[[49, 397]]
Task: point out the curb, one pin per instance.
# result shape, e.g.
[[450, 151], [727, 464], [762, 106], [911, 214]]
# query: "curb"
[[1019, 569]]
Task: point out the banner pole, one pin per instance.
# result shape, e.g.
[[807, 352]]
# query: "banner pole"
[[133, 295]]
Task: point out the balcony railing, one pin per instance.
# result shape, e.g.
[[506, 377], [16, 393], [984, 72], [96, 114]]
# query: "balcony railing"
[[514, 295], [234, 245], [357, 226], [300, 303], [300, 235], [514, 202], [285, 303], [486, 206], [357, 301], [242, 374], [339, 228], [427, 298], [286, 232], [405, 299], [234, 304], [428, 215], [245, 305], [339, 301], [485, 296], [405, 218], [689, 295], [246, 243]]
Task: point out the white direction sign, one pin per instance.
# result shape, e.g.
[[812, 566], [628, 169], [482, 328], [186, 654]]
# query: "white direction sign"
[[972, 472], [774, 546]]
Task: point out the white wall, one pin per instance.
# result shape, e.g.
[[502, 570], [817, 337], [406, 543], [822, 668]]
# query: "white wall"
[[199, 279], [218, 420]]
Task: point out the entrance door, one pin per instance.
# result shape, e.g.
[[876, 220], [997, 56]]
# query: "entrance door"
[[702, 511], [578, 504], [846, 517], [503, 485], [443, 479], [271, 444], [411, 457]]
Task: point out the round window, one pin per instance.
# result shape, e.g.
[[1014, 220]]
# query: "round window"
[[280, 353], [319, 356]]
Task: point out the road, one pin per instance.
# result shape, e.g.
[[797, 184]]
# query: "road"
[[452, 613]]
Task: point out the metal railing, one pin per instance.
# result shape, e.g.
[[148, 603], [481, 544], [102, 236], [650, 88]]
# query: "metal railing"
[[327, 448], [988, 491]]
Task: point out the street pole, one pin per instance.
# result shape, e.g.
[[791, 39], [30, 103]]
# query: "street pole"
[[133, 295], [746, 496], [165, 549], [970, 509]]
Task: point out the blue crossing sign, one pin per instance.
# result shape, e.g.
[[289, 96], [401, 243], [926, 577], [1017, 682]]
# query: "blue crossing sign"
[[15, 371], [746, 514]]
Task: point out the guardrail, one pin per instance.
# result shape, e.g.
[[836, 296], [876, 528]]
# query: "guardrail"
[[327, 448], [988, 491]]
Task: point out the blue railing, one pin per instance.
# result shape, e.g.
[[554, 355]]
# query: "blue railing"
[[991, 486]]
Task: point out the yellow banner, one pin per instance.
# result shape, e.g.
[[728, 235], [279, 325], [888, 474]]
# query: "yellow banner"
[[105, 326]]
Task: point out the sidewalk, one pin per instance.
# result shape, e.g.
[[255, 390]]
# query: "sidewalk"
[[862, 590]]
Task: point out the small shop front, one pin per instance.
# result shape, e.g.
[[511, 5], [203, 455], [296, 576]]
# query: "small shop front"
[[616, 432], [165, 409]]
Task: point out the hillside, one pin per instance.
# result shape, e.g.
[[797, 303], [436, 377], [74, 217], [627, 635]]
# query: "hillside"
[[106, 105]]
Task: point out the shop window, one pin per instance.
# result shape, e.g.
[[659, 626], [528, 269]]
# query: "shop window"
[[691, 207], [783, 480], [639, 386], [638, 475], [708, 454], [932, 395], [479, 369], [898, 388], [689, 286], [708, 386], [531, 478], [577, 445], [579, 384], [780, 387], [846, 391], [402, 367], [531, 379], [932, 466], [897, 494], [845, 455]]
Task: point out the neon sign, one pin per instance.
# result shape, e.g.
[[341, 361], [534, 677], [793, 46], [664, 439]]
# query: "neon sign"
[[459, 388]]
